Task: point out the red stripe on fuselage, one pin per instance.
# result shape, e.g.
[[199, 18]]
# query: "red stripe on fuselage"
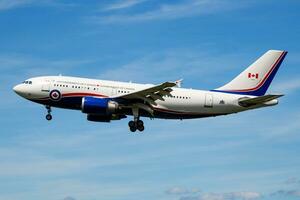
[[76, 94], [82, 94]]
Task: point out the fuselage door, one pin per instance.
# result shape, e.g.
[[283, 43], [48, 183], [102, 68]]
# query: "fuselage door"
[[114, 91], [208, 101], [46, 87]]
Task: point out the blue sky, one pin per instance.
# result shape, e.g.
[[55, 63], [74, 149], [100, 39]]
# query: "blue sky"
[[251, 155]]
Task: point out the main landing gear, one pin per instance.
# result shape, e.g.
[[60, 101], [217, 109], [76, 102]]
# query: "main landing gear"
[[136, 124], [48, 116]]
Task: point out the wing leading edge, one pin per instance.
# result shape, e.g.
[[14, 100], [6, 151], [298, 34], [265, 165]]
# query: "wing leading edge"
[[151, 94]]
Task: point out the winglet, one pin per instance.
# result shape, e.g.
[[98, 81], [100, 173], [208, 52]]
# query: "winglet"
[[179, 82]]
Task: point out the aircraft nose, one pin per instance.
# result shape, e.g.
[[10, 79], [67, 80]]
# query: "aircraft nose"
[[17, 89], [23, 90], [20, 90]]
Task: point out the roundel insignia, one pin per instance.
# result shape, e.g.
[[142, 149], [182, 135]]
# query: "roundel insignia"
[[55, 95]]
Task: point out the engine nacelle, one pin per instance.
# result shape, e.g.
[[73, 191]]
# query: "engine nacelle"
[[99, 106], [104, 118], [99, 118]]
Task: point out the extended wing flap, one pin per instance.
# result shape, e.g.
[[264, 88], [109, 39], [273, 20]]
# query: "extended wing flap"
[[246, 102]]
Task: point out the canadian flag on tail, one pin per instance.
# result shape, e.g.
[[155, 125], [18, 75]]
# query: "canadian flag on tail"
[[253, 76]]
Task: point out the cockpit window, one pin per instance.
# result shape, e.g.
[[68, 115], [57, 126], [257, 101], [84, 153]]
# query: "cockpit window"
[[27, 82]]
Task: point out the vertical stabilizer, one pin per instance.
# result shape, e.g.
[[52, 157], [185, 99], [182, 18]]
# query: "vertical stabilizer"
[[256, 79]]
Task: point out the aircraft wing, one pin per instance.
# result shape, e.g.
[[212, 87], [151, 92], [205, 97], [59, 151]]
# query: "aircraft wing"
[[246, 102], [151, 94]]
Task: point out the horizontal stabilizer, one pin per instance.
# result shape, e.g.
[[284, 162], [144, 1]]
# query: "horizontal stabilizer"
[[247, 101]]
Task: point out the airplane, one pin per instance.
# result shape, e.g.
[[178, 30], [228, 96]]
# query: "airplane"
[[104, 101]]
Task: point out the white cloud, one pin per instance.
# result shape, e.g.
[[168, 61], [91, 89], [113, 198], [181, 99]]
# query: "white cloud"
[[181, 191], [172, 65], [123, 4], [292, 193], [38, 165], [290, 127], [287, 86], [211, 196], [10, 4], [69, 198], [224, 196], [292, 180], [13, 63], [196, 194], [186, 8], [243, 195]]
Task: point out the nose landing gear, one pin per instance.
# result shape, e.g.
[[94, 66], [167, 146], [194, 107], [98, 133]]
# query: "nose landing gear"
[[48, 116]]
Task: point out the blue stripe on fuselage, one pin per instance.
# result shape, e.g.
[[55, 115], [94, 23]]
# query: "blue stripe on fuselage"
[[65, 102], [75, 103]]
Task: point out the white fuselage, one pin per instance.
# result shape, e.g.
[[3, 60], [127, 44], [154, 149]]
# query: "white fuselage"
[[104, 101], [181, 104]]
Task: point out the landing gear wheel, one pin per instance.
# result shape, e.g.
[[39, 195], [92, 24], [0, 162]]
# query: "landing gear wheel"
[[132, 129], [140, 125], [136, 124], [141, 128], [131, 123], [132, 126], [48, 117]]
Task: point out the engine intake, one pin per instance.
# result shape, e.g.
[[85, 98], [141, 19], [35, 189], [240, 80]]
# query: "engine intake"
[[100, 106]]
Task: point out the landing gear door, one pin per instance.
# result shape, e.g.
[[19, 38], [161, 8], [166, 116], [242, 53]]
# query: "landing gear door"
[[208, 101], [46, 87]]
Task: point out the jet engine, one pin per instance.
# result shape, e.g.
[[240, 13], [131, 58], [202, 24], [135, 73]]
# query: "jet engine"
[[99, 106]]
